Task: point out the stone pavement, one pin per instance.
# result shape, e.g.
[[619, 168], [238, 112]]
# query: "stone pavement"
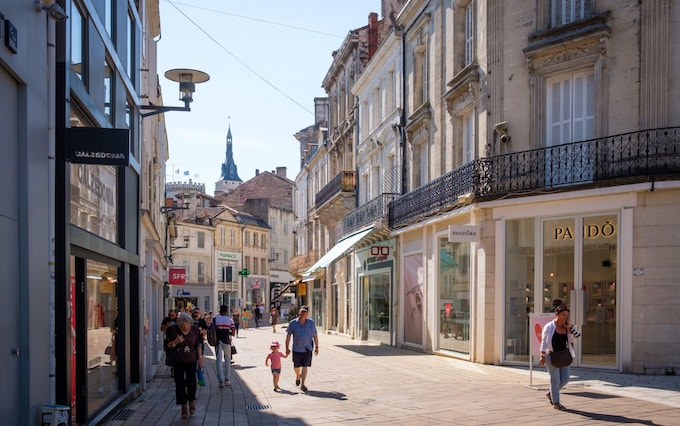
[[359, 383]]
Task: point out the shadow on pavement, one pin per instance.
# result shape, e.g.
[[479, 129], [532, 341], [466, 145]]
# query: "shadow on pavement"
[[609, 418], [379, 350], [331, 395]]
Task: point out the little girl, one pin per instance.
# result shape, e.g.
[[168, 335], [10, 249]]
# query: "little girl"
[[275, 358]]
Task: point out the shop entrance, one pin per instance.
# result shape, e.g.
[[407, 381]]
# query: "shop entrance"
[[182, 303], [588, 257], [573, 261]]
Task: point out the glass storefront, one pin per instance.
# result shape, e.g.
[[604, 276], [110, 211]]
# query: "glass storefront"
[[576, 249], [454, 296], [102, 333], [376, 307]]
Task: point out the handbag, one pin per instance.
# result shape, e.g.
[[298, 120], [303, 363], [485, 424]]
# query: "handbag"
[[561, 358], [233, 350]]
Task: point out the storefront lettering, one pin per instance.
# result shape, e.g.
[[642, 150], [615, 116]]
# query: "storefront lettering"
[[607, 230], [182, 293], [90, 180]]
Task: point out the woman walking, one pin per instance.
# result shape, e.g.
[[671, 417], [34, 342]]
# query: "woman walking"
[[275, 319], [556, 343], [185, 338]]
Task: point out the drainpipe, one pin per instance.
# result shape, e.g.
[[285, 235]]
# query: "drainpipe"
[[51, 170]]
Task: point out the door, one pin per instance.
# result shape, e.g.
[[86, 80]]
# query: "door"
[[363, 303], [584, 250]]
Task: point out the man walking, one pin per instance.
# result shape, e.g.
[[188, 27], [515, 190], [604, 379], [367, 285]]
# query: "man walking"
[[225, 329], [305, 340]]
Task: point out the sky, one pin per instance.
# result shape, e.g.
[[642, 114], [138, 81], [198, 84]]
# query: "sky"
[[267, 60]]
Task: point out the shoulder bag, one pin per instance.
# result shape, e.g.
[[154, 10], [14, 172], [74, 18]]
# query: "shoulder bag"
[[561, 358]]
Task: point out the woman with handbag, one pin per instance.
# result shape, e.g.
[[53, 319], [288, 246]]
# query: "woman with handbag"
[[557, 353], [185, 338]]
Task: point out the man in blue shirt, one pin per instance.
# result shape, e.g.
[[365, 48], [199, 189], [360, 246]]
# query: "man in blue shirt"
[[305, 340]]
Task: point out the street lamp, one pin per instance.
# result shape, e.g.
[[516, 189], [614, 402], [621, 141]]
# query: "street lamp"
[[187, 80], [244, 274]]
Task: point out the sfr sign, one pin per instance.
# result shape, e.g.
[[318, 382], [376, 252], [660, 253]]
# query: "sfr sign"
[[177, 276]]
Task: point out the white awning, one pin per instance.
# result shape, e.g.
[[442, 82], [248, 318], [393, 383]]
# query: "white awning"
[[340, 249]]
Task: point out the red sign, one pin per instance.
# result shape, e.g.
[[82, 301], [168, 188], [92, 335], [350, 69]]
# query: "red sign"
[[177, 276]]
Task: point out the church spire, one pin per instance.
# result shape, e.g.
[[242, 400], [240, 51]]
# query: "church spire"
[[229, 170]]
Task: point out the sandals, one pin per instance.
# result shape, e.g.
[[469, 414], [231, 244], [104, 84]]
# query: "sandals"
[[185, 412], [192, 407], [560, 407]]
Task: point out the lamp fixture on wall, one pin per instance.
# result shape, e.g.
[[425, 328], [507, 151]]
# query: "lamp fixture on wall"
[[187, 80], [54, 11]]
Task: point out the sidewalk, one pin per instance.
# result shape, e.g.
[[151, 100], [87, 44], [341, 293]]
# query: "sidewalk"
[[358, 383]]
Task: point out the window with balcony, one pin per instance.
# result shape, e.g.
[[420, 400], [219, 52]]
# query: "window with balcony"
[[570, 108]]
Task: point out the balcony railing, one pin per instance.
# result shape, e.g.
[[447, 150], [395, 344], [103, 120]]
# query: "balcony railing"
[[343, 182], [372, 211], [631, 157]]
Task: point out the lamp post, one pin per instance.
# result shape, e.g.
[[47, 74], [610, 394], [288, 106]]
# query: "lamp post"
[[187, 80], [244, 274]]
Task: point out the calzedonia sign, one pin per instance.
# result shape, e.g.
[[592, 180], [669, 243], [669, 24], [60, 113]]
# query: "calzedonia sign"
[[93, 145], [177, 276]]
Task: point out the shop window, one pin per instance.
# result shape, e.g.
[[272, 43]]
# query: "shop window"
[[454, 296], [103, 343]]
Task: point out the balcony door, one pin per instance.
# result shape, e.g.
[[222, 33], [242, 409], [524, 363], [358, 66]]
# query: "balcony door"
[[570, 117]]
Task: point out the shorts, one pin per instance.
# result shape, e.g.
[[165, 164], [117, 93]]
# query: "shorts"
[[302, 359], [276, 370]]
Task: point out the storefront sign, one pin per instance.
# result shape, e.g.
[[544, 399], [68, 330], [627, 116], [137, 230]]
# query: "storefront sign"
[[464, 234], [94, 145], [224, 255], [607, 230], [182, 293], [177, 276]]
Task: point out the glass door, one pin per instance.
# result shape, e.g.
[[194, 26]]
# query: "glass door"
[[596, 300], [584, 250]]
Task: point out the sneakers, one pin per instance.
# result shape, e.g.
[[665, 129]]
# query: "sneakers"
[[560, 407], [221, 384], [227, 383]]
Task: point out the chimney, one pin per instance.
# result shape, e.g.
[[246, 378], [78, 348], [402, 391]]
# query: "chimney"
[[257, 172], [281, 172], [373, 29]]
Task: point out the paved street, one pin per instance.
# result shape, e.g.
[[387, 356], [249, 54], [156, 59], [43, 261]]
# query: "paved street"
[[358, 383]]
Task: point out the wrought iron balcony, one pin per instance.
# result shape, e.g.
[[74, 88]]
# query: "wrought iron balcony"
[[632, 157], [372, 211], [343, 182]]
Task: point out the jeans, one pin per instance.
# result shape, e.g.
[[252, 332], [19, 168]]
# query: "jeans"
[[559, 377], [223, 361]]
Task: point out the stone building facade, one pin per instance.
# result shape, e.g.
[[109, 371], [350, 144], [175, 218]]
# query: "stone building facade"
[[540, 162]]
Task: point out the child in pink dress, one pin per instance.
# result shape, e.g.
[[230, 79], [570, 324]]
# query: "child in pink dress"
[[274, 358]]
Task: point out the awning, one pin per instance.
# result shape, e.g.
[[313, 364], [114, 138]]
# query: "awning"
[[340, 249]]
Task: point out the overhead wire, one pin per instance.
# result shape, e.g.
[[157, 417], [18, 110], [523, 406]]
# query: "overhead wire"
[[260, 20], [248, 67]]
